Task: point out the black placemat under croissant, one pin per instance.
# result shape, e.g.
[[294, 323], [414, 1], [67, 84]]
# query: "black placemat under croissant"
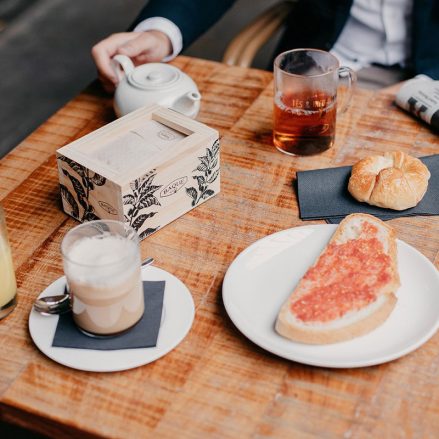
[[323, 194]]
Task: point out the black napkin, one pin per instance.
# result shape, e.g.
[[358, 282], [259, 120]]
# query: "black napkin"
[[323, 194], [143, 335]]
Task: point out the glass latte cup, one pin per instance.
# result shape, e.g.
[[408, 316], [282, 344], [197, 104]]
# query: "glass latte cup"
[[103, 271]]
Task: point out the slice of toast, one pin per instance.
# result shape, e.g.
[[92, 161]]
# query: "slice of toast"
[[349, 291]]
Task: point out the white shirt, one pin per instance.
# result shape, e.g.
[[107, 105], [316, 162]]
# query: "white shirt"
[[377, 31]]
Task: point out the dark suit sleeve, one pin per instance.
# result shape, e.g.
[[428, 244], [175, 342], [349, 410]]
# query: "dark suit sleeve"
[[425, 37], [193, 17]]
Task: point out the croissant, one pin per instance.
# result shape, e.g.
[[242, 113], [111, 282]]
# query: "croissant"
[[395, 180]]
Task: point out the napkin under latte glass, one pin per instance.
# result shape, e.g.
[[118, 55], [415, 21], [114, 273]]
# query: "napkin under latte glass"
[[142, 335]]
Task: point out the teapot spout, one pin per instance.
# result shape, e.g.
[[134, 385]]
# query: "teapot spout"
[[193, 96], [188, 104]]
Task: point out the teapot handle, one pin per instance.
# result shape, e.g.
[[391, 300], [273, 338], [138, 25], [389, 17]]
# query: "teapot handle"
[[122, 65]]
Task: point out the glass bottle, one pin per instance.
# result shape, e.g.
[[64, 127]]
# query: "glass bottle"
[[8, 285]]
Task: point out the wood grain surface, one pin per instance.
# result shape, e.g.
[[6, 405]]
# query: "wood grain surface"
[[216, 383]]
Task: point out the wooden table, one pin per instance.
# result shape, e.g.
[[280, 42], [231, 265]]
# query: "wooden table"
[[216, 383]]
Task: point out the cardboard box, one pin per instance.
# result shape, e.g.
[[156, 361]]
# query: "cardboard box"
[[146, 169]]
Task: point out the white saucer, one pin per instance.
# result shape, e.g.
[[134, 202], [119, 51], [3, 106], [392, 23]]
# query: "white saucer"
[[262, 277], [177, 321]]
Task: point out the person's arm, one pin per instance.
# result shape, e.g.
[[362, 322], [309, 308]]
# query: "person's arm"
[[168, 28], [192, 17], [161, 30], [141, 47], [425, 37]]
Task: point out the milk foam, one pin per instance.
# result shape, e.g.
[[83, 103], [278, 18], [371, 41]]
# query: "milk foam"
[[102, 260], [97, 250]]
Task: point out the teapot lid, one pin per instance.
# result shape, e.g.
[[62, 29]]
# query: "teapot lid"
[[154, 76]]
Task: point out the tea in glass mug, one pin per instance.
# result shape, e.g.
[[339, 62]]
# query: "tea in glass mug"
[[305, 100]]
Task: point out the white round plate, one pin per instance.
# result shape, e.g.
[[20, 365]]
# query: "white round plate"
[[178, 317], [262, 277]]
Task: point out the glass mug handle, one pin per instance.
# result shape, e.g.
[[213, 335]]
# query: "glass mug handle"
[[346, 73]]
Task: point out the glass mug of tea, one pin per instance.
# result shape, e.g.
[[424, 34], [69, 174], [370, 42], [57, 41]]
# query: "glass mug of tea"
[[305, 100]]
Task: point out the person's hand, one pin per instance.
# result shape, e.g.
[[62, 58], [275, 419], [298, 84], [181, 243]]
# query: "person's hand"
[[141, 47]]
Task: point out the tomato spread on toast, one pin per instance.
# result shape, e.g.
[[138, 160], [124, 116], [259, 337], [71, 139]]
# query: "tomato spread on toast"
[[345, 278]]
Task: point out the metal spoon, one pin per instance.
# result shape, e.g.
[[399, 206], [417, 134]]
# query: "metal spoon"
[[147, 261], [53, 304], [60, 303]]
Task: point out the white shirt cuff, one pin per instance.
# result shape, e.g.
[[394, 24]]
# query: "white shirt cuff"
[[168, 28]]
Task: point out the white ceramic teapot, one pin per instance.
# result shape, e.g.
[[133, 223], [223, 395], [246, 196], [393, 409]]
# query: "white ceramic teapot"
[[154, 83]]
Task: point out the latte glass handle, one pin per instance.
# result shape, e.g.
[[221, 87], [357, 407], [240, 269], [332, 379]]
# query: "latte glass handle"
[[122, 65]]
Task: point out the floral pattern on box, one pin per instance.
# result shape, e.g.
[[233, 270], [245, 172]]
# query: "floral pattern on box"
[[209, 168], [141, 203], [80, 207]]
